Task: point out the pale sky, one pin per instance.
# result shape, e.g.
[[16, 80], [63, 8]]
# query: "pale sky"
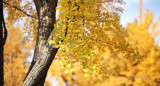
[[131, 11]]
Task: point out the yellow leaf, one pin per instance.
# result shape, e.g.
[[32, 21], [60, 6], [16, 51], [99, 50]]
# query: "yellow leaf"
[[92, 22], [51, 42], [66, 71], [74, 8], [85, 69], [86, 75], [72, 69], [69, 65]]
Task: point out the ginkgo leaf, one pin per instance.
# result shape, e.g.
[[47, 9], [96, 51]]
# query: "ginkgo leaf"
[[69, 65], [74, 8], [51, 42], [66, 71], [86, 75], [72, 69], [85, 69], [92, 22], [56, 46]]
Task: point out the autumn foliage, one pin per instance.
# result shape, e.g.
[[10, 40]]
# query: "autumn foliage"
[[17, 50], [94, 48], [83, 34], [122, 71]]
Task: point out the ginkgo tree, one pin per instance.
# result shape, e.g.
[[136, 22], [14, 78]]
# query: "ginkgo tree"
[[15, 56], [17, 50], [142, 34], [82, 30]]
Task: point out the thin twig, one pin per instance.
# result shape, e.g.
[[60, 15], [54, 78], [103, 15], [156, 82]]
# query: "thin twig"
[[20, 10]]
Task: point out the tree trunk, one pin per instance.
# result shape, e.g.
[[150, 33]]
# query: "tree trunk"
[[37, 75], [1, 45], [44, 52]]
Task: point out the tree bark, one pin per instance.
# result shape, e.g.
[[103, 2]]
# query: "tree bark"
[[44, 52], [38, 72]]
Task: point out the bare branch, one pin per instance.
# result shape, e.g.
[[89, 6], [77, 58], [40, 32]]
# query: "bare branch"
[[20, 10], [5, 31]]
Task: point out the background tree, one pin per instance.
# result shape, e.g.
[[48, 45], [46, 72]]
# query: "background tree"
[[3, 37], [17, 49], [1, 43]]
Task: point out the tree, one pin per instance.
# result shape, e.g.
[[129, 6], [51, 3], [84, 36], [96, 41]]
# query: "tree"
[[79, 34], [1, 44], [15, 57], [142, 34], [17, 49], [3, 37]]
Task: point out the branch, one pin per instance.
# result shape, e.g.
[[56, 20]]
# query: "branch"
[[5, 31], [7, 66], [20, 10], [65, 80]]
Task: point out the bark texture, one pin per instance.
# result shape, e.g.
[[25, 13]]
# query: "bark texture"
[[44, 52]]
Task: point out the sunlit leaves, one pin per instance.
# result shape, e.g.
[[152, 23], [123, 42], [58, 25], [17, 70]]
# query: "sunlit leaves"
[[84, 28], [16, 11]]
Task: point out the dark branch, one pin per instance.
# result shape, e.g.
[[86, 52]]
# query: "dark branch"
[[65, 80], [5, 31], [20, 10]]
